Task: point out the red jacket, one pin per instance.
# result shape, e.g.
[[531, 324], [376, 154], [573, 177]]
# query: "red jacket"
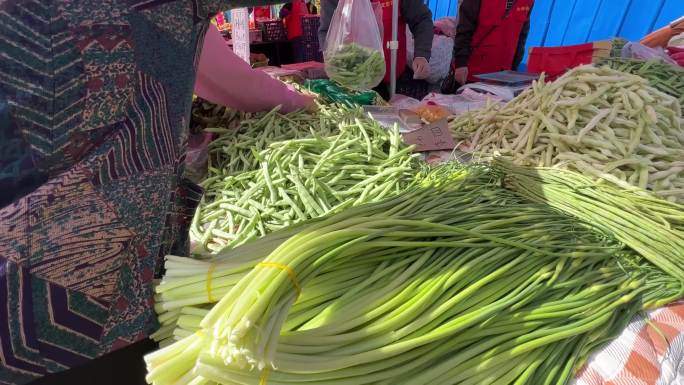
[[468, 23], [293, 20]]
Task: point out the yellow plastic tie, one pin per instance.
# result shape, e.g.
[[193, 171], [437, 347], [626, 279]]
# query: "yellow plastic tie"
[[210, 272], [264, 376], [288, 270]]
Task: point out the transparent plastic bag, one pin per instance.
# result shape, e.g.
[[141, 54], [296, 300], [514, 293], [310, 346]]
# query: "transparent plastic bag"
[[639, 51], [354, 55]]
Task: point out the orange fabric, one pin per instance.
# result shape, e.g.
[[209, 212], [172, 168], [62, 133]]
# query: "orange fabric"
[[659, 38], [640, 355]]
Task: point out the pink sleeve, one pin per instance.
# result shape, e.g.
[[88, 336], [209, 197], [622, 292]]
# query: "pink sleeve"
[[223, 78]]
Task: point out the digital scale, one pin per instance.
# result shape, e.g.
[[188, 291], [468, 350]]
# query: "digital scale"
[[504, 84]]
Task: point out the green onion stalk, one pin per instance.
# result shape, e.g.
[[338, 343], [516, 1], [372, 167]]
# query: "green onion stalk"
[[455, 281], [652, 227]]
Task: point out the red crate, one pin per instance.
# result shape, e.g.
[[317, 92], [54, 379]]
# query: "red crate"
[[555, 61]]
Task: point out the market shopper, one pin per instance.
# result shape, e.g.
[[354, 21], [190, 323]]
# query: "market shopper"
[[248, 90], [490, 37], [292, 14], [94, 110], [287, 9], [412, 13]]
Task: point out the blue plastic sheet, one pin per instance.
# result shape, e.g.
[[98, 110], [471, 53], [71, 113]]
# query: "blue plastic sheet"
[[567, 22]]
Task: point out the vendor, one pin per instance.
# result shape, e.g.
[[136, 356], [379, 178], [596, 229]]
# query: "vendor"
[[413, 13], [490, 37]]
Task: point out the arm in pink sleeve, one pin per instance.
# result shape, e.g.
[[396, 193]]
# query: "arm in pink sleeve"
[[223, 78]]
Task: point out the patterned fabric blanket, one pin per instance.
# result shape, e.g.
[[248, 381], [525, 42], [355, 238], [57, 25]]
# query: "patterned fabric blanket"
[[95, 98], [650, 351]]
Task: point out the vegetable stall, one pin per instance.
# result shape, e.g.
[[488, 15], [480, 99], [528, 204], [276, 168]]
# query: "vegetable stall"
[[326, 252]]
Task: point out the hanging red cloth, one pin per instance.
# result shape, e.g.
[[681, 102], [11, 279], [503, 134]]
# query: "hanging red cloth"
[[387, 37]]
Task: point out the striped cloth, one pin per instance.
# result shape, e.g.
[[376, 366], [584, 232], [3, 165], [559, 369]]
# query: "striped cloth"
[[650, 351]]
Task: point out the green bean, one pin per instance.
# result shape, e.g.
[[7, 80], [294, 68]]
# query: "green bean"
[[301, 178], [355, 67], [605, 116]]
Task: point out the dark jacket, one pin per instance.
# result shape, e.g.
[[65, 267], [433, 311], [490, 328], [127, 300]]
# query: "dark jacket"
[[416, 14], [468, 16]]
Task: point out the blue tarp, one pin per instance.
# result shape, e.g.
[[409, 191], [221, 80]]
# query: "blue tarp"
[[566, 22]]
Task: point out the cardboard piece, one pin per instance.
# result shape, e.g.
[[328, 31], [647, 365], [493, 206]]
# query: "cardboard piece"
[[431, 137]]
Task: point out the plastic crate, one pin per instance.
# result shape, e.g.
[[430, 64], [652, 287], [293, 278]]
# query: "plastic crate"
[[555, 61], [273, 30], [312, 52], [255, 36], [307, 51], [310, 24]]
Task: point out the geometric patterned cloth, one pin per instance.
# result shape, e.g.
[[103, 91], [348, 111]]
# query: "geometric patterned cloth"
[[650, 351], [95, 100]]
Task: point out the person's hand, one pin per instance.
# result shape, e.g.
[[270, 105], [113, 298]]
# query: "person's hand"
[[310, 105], [421, 68], [457, 77], [461, 75]]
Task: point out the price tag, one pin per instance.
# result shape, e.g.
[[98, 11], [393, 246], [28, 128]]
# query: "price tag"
[[432, 137], [240, 32]]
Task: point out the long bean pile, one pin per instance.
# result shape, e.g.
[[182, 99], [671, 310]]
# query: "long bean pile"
[[665, 77], [598, 121], [458, 283], [355, 66], [301, 179]]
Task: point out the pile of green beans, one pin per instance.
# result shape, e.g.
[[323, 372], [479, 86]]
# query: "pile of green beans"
[[234, 150], [455, 282], [355, 67], [597, 121], [667, 78], [300, 179]]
